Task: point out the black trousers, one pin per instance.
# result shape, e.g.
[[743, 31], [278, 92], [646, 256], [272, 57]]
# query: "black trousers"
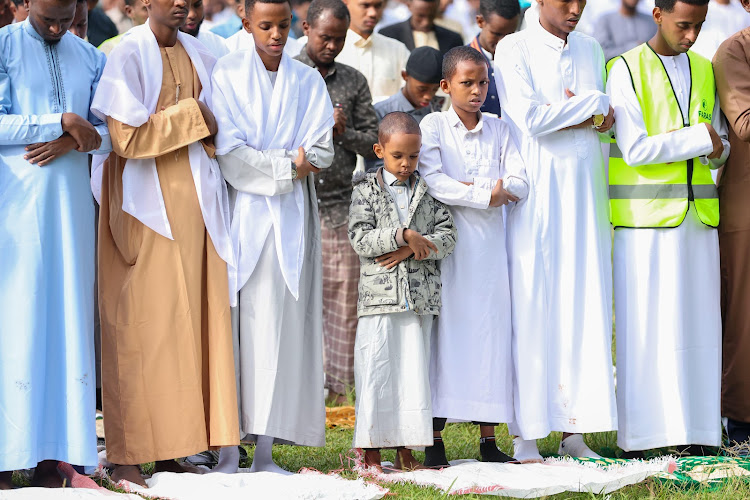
[[438, 424]]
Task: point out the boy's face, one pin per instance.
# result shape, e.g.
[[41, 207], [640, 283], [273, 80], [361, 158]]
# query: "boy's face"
[[400, 154], [468, 86], [169, 13], [680, 28], [419, 94], [495, 29], [561, 16], [269, 23]]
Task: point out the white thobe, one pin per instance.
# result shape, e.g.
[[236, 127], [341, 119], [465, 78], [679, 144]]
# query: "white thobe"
[[722, 21], [471, 367], [213, 42], [559, 239], [667, 289], [276, 232], [591, 14]]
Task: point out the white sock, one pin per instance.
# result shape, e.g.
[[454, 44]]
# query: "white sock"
[[262, 458], [574, 446], [229, 460], [526, 450]]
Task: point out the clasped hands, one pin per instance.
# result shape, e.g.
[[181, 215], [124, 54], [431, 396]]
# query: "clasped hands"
[[418, 245], [78, 134]]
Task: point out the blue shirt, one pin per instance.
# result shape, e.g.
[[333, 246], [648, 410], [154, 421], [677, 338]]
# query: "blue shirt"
[[228, 28]]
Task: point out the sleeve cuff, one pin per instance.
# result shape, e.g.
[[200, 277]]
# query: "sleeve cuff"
[[481, 191], [52, 125], [515, 186], [282, 169], [196, 117], [400, 241]]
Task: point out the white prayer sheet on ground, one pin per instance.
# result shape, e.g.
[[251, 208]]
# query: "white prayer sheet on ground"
[[554, 476]]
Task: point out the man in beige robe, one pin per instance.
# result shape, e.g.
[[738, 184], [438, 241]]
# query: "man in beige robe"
[[168, 368], [732, 73]]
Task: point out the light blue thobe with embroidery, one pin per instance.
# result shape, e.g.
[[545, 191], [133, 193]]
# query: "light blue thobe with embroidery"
[[47, 379]]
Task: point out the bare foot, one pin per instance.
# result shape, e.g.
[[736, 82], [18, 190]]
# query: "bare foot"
[[372, 459], [6, 480], [130, 473], [406, 461], [46, 475]]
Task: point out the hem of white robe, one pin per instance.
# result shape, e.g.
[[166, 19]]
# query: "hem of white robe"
[[541, 430], [403, 436], [469, 411], [285, 436], [704, 438], [49, 451]]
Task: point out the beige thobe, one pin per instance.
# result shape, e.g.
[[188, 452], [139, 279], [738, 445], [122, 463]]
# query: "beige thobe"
[[167, 361]]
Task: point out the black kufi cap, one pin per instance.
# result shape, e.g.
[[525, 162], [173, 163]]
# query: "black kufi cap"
[[425, 64]]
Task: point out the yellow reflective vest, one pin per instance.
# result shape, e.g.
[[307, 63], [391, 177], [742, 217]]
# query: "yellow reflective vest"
[[658, 195]]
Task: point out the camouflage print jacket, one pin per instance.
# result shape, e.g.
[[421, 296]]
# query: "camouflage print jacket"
[[375, 229]]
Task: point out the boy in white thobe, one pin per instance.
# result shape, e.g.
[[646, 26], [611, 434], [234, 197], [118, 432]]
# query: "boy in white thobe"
[[551, 84], [471, 163], [274, 130], [667, 283]]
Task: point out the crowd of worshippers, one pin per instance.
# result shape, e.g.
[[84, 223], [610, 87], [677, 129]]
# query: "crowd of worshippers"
[[427, 207]]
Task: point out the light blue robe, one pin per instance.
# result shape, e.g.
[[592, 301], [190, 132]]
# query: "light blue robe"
[[47, 378]]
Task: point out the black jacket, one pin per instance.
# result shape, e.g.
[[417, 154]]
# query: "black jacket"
[[402, 32]]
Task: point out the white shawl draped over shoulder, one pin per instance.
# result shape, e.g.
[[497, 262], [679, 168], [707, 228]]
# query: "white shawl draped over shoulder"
[[277, 118], [128, 92]]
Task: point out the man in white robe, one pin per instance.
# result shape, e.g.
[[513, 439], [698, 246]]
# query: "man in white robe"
[[47, 379], [551, 87], [667, 283], [274, 130]]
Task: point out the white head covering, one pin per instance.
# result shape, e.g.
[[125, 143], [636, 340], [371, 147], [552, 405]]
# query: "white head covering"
[[128, 92], [294, 112]]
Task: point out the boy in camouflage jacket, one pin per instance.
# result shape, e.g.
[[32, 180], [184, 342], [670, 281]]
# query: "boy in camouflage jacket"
[[399, 232]]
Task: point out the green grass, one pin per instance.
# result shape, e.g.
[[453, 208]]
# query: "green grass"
[[462, 441]]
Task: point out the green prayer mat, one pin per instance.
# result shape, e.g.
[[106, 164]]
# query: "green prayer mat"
[[694, 472]]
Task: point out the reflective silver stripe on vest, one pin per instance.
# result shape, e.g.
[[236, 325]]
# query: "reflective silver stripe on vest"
[[660, 191], [614, 150]]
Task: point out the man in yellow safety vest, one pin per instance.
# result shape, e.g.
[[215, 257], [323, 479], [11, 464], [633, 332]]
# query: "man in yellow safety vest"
[[664, 206]]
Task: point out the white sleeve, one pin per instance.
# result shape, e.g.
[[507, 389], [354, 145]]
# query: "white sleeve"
[[267, 173], [637, 147], [719, 122], [514, 178], [442, 186], [536, 118]]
